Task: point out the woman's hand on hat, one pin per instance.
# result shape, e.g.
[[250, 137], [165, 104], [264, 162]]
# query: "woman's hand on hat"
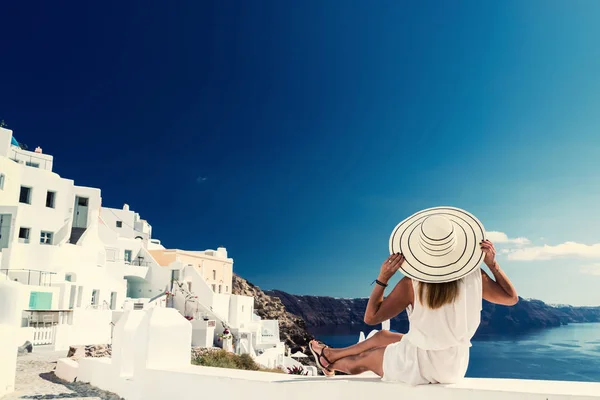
[[390, 266], [490, 253]]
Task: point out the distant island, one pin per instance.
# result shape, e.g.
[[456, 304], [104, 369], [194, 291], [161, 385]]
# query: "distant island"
[[321, 311], [300, 317]]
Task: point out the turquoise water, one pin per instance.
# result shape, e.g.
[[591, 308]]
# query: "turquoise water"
[[567, 353]]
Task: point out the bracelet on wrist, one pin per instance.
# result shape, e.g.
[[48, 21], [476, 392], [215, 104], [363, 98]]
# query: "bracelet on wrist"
[[377, 281]]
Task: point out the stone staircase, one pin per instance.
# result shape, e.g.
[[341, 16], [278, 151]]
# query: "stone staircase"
[[76, 234]]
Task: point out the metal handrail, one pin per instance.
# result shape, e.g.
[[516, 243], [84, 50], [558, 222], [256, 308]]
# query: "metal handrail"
[[103, 306], [189, 296], [157, 297], [41, 273], [24, 158], [139, 263]]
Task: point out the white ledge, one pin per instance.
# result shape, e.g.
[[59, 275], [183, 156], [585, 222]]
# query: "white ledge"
[[151, 361], [275, 386]]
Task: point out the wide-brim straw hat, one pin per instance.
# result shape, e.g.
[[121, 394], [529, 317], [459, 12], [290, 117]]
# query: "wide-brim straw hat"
[[440, 244]]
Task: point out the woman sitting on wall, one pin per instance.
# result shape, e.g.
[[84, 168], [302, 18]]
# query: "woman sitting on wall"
[[439, 251]]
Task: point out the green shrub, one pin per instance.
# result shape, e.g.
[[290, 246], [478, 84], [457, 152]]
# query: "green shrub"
[[219, 359], [244, 361], [224, 359]]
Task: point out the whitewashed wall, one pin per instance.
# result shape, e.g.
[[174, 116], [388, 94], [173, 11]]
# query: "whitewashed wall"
[[269, 332], [132, 226], [127, 217], [37, 217], [13, 299], [5, 138], [240, 310], [202, 334], [8, 355], [156, 351], [89, 327], [221, 305], [199, 286]]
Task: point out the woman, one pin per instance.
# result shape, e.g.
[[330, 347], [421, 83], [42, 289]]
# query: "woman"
[[439, 251]]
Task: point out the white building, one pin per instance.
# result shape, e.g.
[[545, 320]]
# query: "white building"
[[202, 291], [69, 267], [51, 253]]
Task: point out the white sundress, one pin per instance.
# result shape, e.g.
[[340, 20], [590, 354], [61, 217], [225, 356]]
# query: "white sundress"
[[436, 347]]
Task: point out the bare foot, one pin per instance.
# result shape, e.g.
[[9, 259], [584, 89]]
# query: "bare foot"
[[320, 352]]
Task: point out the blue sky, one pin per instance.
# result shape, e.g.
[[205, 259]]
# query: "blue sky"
[[299, 134]]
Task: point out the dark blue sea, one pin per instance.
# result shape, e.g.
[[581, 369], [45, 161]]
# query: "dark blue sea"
[[566, 353]]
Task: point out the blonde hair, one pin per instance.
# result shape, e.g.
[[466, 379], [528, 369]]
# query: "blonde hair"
[[435, 295]]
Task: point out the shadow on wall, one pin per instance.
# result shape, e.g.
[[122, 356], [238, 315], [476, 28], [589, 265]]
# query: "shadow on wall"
[[78, 389]]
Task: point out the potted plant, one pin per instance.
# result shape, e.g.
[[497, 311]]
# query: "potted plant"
[[296, 370], [225, 335]]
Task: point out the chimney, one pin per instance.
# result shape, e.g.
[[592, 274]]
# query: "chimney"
[[222, 252], [38, 150], [126, 207]]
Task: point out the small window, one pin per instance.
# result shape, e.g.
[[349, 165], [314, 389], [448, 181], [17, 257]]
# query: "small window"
[[32, 164], [128, 256], [214, 275], [220, 288], [214, 288], [95, 295], [24, 235], [25, 195], [82, 201], [119, 224], [50, 196], [113, 300], [68, 277], [46, 237], [1, 181]]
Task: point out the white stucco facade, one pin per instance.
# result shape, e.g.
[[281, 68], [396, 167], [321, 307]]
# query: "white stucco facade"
[[8, 355], [51, 253], [68, 264], [201, 291]]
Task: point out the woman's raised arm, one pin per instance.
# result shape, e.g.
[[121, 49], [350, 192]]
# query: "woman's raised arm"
[[380, 309], [499, 290]]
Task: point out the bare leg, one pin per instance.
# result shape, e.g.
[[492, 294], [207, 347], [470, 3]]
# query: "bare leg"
[[370, 360], [380, 339]]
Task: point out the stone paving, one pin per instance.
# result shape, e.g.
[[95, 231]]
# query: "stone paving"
[[36, 380]]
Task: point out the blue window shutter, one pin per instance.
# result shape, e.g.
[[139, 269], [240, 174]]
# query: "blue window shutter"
[[40, 301]]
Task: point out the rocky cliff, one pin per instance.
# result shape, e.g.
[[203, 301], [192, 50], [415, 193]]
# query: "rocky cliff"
[[292, 328], [532, 314], [297, 314], [319, 311]]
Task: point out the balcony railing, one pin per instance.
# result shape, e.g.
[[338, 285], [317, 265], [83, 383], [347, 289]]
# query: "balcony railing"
[[140, 262], [30, 160], [32, 276]]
